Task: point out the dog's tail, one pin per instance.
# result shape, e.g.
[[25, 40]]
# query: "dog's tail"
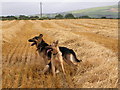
[[74, 56]]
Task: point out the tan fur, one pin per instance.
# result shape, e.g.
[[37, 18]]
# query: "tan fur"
[[57, 58]]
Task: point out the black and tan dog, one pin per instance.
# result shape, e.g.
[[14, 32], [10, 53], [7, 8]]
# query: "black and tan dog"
[[44, 50]]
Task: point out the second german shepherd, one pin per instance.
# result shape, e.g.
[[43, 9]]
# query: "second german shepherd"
[[56, 58]]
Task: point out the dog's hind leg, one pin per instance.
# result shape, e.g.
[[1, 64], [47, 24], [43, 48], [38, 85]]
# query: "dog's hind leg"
[[68, 59], [69, 63]]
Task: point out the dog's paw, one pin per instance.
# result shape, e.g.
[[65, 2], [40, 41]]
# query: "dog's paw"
[[46, 69], [41, 73], [57, 71]]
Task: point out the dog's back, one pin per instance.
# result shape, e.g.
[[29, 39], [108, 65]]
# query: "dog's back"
[[69, 55]]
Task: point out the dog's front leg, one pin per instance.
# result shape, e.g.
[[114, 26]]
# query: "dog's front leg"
[[46, 69], [53, 67], [62, 68], [61, 62]]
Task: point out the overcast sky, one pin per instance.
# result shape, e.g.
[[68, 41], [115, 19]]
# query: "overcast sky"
[[30, 8]]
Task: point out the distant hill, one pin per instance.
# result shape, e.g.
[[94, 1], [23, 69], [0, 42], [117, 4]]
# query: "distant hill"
[[108, 11], [96, 12]]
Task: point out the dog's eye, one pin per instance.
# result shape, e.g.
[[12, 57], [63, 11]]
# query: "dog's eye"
[[36, 38]]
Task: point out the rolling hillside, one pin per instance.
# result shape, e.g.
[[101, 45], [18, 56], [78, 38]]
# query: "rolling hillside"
[[96, 12], [108, 11]]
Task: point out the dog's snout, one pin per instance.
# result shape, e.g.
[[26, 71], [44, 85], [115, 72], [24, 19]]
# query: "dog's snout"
[[31, 40]]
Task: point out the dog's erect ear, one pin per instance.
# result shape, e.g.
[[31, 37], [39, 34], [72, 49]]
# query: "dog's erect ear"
[[41, 35], [56, 42]]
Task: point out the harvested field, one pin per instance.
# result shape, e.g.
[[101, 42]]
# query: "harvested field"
[[93, 40]]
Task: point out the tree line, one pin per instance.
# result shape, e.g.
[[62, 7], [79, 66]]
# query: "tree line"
[[59, 16]]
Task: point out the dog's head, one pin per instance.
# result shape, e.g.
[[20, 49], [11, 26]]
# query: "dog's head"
[[36, 40], [53, 47], [54, 44]]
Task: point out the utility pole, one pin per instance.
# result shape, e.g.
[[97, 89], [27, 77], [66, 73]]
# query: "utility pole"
[[40, 9]]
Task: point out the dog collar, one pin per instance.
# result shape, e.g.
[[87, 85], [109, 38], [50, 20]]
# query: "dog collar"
[[55, 53]]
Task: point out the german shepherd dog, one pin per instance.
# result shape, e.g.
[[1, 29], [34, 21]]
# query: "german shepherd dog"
[[56, 58], [44, 50]]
